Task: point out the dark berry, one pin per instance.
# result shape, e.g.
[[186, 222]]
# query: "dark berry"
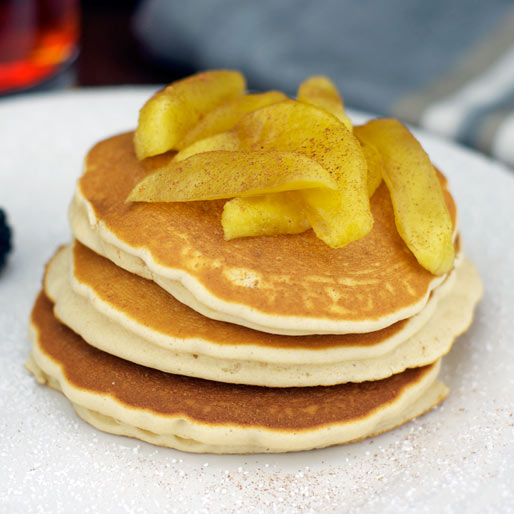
[[5, 239]]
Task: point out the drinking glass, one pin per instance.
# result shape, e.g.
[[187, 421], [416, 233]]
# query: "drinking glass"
[[38, 41]]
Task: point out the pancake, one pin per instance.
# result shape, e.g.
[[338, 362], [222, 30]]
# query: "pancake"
[[204, 416], [286, 284], [135, 319]]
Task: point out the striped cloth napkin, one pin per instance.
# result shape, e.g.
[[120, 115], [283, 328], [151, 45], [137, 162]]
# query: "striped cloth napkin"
[[445, 65]]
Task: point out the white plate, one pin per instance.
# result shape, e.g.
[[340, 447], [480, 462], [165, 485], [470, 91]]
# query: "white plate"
[[458, 458]]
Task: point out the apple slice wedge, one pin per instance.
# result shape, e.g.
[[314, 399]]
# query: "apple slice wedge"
[[266, 215], [169, 114], [221, 174], [321, 92], [374, 164], [422, 217]]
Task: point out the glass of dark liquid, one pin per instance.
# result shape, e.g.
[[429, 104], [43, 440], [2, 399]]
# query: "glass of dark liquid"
[[38, 41]]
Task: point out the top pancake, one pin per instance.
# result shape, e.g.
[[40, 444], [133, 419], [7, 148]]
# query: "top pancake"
[[290, 284]]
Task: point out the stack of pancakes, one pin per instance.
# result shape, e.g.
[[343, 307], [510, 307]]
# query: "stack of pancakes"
[[155, 327]]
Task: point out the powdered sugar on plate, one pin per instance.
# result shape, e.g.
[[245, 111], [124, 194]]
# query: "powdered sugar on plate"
[[457, 458]]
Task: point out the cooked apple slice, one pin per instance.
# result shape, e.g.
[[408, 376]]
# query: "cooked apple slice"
[[374, 165], [226, 141], [337, 217], [219, 174], [266, 215], [321, 92], [225, 116], [169, 114], [421, 214]]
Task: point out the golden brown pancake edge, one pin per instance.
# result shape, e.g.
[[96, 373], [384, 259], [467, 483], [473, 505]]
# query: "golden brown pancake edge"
[[207, 402], [368, 279]]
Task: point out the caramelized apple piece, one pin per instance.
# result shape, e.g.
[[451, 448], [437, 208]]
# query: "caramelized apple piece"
[[374, 164], [421, 214], [169, 114], [278, 213], [225, 116], [226, 141], [220, 174], [321, 92], [337, 217]]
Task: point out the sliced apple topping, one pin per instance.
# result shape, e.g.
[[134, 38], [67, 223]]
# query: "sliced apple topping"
[[421, 214], [266, 215], [289, 165], [321, 92], [219, 174], [171, 113], [374, 164], [226, 141], [337, 217]]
